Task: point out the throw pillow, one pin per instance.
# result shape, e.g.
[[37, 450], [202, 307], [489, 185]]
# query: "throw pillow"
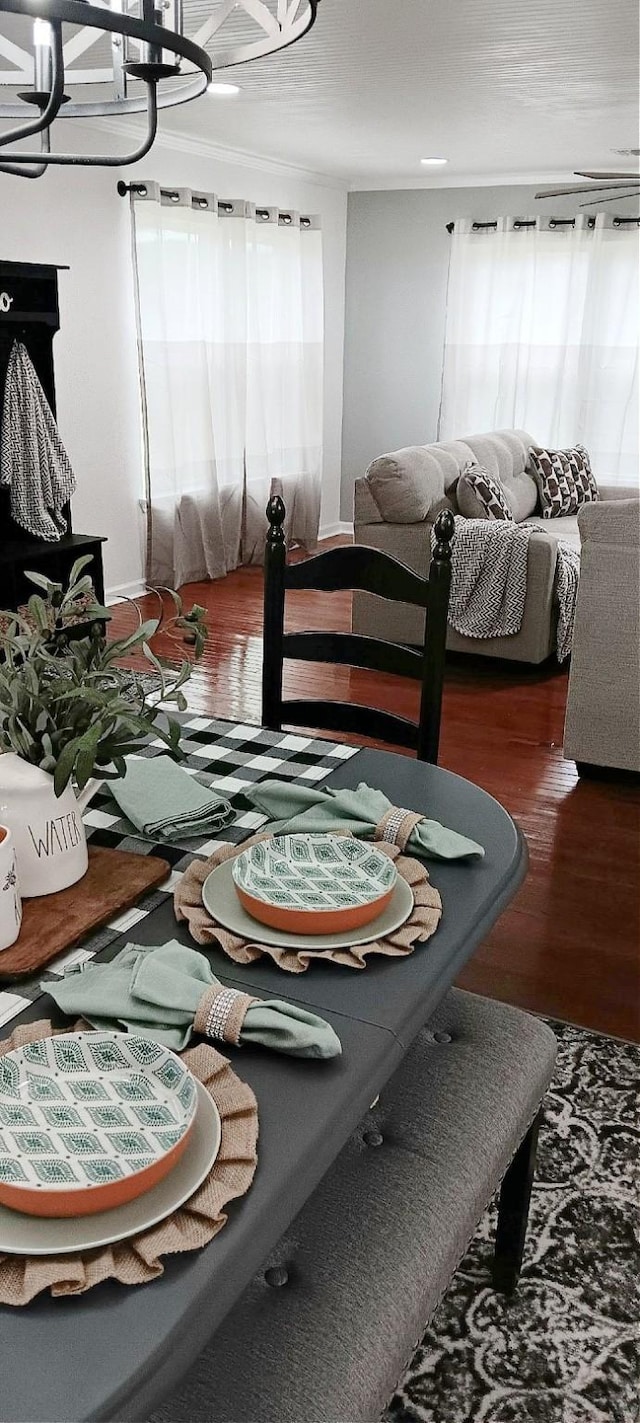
[[480, 496], [564, 479], [586, 486]]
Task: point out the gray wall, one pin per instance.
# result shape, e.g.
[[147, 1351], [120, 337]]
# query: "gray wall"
[[396, 287]]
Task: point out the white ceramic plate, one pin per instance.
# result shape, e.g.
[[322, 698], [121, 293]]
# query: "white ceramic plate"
[[220, 899], [32, 1235]]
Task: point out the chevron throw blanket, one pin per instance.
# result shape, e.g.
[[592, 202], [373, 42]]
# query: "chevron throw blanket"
[[489, 580], [33, 461]]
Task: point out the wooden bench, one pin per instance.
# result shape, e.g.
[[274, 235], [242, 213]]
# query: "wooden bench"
[[324, 1331]]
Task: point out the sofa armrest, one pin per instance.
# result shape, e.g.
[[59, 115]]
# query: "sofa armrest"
[[618, 491], [541, 572], [365, 509], [611, 522]]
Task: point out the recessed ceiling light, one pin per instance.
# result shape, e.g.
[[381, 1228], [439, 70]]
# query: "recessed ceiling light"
[[434, 162], [214, 88]]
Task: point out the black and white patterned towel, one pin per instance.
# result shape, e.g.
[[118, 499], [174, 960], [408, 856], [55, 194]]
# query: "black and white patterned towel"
[[488, 577], [566, 592], [33, 461], [489, 566]]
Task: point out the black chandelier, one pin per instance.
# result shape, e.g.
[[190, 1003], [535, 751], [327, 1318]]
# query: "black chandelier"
[[136, 49]]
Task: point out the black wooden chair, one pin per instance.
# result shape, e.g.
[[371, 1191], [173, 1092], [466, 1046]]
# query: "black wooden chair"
[[367, 569]]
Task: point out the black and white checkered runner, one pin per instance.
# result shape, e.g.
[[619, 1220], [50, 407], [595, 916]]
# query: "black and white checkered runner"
[[226, 755]]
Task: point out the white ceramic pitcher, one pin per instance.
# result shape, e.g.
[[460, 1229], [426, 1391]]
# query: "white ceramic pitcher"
[[49, 835]]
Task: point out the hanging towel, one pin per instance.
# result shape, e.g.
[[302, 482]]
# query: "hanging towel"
[[33, 461]]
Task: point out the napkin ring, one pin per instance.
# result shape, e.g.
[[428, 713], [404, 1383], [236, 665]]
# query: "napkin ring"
[[221, 1013], [396, 826]]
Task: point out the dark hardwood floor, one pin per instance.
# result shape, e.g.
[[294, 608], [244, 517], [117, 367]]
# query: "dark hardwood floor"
[[569, 945]]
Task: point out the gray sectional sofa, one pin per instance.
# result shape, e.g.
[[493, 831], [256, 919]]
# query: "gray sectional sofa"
[[602, 726], [396, 503]]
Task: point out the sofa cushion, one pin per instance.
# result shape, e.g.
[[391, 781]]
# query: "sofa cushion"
[[522, 493], [405, 484], [505, 454], [415, 483], [480, 496], [565, 528]]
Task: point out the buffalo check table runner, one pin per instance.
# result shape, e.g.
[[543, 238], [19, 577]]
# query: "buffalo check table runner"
[[230, 757]]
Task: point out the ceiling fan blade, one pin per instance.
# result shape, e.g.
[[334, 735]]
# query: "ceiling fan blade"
[[620, 198], [624, 178], [591, 188]]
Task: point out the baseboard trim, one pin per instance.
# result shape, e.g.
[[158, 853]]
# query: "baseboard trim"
[[121, 591], [329, 531]]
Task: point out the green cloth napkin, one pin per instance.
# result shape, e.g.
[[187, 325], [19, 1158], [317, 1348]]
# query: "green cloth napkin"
[[301, 809], [165, 802], [154, 992]]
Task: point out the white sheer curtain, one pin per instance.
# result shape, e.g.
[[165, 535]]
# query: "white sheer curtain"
[[542, 335], [230, 326]]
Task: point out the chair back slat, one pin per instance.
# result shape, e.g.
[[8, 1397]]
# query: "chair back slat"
[[371, 571], [353, 719], [352, 650], [357, 567]]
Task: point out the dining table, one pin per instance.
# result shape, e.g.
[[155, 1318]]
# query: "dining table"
[[115, 1352]]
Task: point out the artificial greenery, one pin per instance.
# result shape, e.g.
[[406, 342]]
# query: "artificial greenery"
[[65, 705]]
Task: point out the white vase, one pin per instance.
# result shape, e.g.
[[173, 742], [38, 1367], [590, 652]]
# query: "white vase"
[[10, 901], [48, 830]]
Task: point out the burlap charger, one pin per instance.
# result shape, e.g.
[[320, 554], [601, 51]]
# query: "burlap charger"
[[421, 924], [137, 1260]]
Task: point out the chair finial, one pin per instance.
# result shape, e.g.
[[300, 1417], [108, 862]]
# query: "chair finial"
[[444, 530], [276, 516]]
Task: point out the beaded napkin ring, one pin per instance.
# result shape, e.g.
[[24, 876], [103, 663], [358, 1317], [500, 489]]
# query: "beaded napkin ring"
[[221, 1013], [396, 826]]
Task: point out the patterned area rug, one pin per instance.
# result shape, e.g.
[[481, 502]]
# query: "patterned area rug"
[[566, 1347]]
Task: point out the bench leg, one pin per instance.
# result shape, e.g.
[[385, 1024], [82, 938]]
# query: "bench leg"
[[513, 1210]]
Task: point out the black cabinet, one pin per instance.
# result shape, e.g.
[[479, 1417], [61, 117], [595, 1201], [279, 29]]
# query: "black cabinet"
[[29, 313], [54, 560]]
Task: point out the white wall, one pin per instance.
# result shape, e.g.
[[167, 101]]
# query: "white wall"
[[76, 217], [397, 266]]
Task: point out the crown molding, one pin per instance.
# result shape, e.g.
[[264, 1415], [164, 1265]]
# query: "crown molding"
[[462, 180], [178, 142]]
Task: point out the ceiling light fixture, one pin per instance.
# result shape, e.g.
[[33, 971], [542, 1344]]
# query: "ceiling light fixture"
[[225, 90], [434, 162], [137, 49]]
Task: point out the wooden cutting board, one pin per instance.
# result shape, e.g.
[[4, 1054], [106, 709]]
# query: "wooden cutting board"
[[51, 923]]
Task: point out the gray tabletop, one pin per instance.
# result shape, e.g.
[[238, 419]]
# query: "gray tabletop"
[[114, 1353]]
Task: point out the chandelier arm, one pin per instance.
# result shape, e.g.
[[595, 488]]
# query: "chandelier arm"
[[25, 170], [191, 89], [104, 160], [49, 112]]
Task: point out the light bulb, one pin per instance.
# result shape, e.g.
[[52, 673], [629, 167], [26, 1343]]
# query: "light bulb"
[[42, 56], [42, 34]]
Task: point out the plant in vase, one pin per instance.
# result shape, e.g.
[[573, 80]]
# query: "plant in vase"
[[69, 717]]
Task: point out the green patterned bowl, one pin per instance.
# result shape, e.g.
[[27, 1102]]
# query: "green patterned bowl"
[[89, 1121], [314, 884]]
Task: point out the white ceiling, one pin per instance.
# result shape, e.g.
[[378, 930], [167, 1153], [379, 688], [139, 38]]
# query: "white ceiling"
[[512, 89]]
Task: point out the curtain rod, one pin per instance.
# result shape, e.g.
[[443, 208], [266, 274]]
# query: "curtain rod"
[[553, 222], [200, 201]]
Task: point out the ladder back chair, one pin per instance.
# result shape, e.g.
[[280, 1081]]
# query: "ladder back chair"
[[369, 570]]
